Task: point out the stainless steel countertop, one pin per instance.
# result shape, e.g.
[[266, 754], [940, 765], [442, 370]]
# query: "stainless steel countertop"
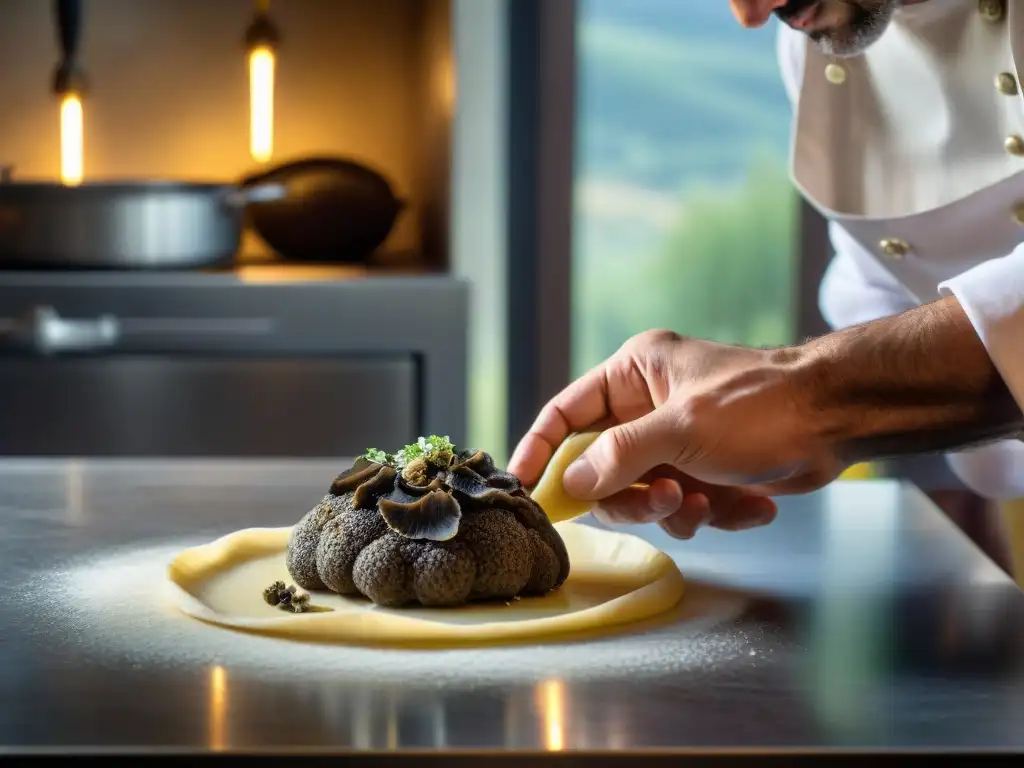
[[861, 618]]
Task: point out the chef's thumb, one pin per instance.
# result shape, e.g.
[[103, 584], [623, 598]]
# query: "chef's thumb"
[[622, 455]]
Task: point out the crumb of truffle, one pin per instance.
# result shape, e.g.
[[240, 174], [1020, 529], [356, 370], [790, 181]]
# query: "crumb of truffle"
[[287, 597], [298, 602], [272, 594]]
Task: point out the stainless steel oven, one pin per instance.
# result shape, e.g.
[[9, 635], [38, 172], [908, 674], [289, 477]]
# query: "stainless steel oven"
[[204, 364]]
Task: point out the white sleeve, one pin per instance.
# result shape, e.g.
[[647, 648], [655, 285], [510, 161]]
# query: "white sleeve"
[[992, 295], [859, 290], [856, 290]]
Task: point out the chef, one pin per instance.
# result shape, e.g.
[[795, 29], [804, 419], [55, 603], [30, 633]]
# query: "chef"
[[924, 37], [908, 136]]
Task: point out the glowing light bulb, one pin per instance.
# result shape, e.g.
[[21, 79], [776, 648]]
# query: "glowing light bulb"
[[261, 103], [71, 140]]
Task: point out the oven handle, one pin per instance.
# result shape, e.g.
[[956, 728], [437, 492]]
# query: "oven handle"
[[43, 330]]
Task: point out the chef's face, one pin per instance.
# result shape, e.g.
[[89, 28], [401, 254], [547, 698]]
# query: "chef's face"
[[839, 27]]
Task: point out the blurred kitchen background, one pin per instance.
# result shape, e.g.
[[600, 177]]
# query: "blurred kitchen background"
[[477, 200], [669, 170]]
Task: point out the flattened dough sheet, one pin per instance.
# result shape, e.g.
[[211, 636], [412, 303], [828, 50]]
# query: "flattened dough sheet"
[[616, 580]]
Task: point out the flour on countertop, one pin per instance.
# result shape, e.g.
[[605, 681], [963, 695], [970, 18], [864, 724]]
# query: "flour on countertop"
[[114, 606]]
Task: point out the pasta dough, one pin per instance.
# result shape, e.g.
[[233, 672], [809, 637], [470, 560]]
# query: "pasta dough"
[[616, 580], [549, 493]]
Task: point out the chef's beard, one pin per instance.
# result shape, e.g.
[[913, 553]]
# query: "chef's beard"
[[866, 21]]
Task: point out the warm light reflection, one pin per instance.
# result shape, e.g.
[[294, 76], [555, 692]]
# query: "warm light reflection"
[[218, 708], [74, 494], [71, 140], [392, 732], [449, 85], [362, 720], [261, 103], [551, 703], [615, 731]]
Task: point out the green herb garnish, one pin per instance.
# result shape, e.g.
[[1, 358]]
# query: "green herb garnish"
[[434, 450], [379, 457]]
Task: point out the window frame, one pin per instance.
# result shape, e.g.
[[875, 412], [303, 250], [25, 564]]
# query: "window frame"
[[541, 176], [541, 165]]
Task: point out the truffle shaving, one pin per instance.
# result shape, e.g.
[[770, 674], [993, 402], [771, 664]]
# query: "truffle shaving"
[[434, 517]]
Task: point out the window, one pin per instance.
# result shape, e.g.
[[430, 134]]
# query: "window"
[[684, 214]]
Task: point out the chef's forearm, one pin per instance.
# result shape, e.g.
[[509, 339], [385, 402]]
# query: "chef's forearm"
[[919, 382]]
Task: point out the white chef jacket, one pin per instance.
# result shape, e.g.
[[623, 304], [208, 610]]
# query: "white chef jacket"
[[901, 139]]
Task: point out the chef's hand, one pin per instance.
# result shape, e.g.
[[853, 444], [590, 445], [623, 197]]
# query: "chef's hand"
[[712, 431]]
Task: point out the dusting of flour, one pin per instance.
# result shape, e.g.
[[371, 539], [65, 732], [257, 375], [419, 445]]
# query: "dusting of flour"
[[115, 606]]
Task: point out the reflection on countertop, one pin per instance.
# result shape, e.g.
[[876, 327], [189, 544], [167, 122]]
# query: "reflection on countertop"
[[869, 621]]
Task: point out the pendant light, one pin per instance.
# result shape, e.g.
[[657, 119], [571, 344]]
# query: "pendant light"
[[69, 86], [261, 42]]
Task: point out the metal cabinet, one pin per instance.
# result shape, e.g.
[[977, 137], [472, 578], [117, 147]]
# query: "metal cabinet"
[[205, 406], [193, 364]]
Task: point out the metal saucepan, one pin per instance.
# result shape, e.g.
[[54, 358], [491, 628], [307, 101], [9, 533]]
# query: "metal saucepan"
[[123, 225]]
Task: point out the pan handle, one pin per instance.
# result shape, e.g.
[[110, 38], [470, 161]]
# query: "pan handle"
[[239, 197], [44, 331]]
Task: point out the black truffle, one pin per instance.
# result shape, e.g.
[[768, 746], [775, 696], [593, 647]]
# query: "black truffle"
[[302, 543], [502, 553], [440, 529], [342, 540]]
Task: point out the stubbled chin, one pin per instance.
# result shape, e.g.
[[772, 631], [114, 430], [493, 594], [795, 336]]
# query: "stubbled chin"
[[828, 49]]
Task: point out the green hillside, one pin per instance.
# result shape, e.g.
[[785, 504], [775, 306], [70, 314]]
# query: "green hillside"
[[667, 96], [678, 103]]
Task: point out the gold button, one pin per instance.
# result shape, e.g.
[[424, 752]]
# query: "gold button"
[[1018, 214], [894, 248], [835, 74], [992, 10], [1006, 84], [1014, 145]]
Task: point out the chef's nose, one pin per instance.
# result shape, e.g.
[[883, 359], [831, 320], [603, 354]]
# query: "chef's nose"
[[754, 13]]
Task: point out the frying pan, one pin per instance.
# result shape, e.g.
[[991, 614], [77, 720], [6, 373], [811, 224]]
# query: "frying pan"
[[123, 224]]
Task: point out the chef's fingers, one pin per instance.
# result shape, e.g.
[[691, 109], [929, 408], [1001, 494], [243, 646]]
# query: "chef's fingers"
[[636, 505], [574, 409], [693, 515], [623, 454], [732, 507], [728, 509], [745, 513], [681, 512], [736, 509]]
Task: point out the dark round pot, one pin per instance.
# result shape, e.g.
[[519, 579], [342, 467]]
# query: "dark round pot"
[[333, 209]]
